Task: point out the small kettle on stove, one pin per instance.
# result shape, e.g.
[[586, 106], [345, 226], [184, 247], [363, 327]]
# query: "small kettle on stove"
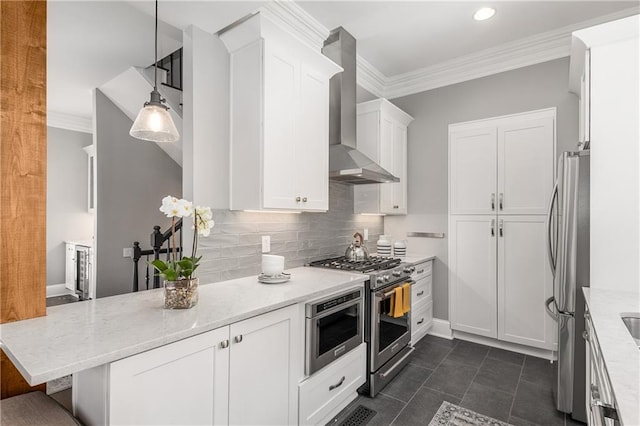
[[357, 251]]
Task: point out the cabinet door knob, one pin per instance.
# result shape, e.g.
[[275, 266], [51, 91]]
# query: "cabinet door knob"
[[224, 344], [304, 200], [395, 207], [298, 199], [585, 335], [238, 338]]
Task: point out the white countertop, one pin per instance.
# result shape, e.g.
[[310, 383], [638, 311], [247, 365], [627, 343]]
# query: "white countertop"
[[619, 350], [77, 336], [417, 258]]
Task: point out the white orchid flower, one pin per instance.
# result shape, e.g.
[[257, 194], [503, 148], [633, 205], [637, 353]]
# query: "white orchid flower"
[[203, 218]]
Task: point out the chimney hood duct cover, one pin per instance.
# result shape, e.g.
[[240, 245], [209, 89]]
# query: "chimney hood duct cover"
[[346, 163]]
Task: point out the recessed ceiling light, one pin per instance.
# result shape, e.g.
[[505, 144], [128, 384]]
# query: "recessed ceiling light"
[[484, 13]]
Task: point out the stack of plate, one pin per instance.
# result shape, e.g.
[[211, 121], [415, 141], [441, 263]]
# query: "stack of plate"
[[384, 246]]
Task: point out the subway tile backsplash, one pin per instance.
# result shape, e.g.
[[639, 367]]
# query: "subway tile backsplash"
[[234, 248]]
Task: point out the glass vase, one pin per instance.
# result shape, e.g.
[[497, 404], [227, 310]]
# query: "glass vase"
[[181, 294]]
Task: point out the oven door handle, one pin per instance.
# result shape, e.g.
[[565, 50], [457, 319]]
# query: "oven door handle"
[[387, 294]]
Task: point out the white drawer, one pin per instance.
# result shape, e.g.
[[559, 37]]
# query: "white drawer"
[[421, 321], [320, 394], [422, 269], [421, 291]]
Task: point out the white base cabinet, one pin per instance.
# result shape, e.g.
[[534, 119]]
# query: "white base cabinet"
[[421, 301], [500, 279], [325, 393], [244, 373]]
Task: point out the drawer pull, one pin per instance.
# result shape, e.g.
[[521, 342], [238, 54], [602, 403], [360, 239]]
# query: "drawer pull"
[[420, 293], [238, 338], [421, 321], [420, 271], [224, 344], [337, 385]]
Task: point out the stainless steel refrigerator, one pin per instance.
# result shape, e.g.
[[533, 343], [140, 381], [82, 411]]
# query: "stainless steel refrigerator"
[[568, 244]]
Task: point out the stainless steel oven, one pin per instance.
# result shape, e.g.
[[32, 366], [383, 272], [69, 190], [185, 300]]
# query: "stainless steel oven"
[[334, 326], [388, 336]]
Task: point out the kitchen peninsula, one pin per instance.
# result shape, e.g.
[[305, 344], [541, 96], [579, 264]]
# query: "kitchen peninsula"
[[87, 338]]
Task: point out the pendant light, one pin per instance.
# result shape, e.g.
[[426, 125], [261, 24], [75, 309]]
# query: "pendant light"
[[154, 123]]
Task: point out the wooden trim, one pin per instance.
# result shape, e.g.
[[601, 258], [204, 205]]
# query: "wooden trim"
[[23, 169]]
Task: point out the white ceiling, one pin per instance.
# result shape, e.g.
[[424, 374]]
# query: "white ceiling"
[[402, 36], [90, 42]]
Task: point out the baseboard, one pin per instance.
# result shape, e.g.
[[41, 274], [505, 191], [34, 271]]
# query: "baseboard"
[[441, 328], [513, 347], [58, 290]]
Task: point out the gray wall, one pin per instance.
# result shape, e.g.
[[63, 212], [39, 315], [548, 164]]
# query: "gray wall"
[[67, 215], [132, 178], [534, 87], [234, 247]]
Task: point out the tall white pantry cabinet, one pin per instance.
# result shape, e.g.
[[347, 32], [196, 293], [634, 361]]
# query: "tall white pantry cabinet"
[[501, 173]]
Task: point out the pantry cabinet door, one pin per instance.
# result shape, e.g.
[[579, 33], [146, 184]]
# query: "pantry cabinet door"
[[312, 151], [472, 275], [264, 362], [181, 383], [524, 282], [525, 166], [281, 71], [472, 171]]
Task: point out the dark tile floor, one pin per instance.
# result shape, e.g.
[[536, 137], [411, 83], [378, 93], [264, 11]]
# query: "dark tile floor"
[[505, 385]]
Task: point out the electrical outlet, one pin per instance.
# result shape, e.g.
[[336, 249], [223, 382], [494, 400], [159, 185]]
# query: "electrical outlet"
[[366, 234], [266, 243], [127, 252]]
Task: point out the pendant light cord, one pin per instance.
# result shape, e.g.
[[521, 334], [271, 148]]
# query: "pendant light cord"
[[155, 64]]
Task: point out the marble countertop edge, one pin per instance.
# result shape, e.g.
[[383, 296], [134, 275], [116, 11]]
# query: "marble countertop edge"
[[212, 312]]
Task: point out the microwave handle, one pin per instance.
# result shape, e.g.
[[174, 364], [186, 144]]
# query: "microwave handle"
[[352, 302]]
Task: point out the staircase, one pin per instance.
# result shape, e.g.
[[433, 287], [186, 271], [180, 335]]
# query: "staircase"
[[130, 90]]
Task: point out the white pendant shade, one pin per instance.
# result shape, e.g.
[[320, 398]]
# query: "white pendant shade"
[[154, 123]]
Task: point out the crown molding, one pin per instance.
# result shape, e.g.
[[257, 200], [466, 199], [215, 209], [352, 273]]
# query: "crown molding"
[[297, 21], [369, 78], [66, 121], [506, 57]]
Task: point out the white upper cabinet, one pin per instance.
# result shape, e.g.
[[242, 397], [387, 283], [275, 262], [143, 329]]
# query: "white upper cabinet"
[[503, 165], [382, 136], [525, 166], [279, 119], [473, 170]]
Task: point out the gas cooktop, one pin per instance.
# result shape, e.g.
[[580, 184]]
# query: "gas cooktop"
[[374, 263]]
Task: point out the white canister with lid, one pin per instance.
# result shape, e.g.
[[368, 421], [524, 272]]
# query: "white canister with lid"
[[383, 246], [400, 248]]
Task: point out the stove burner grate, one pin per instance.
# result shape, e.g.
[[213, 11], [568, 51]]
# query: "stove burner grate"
[[375, 263]]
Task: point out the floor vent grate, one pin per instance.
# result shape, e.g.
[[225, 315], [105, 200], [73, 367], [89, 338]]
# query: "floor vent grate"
[[360, 416]]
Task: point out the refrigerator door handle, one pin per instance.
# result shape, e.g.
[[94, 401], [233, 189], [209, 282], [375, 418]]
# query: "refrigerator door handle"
[[548, 302], [552, 260]]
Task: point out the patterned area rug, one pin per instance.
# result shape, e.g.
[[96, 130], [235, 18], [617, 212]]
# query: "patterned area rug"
[[452, 415]]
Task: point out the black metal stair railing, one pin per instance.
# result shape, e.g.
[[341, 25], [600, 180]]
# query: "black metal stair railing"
[[172, 64], [158, 240]]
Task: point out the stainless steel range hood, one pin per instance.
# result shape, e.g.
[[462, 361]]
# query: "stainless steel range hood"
[[346, 163]]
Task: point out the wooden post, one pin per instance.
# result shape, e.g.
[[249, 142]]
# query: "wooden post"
[[23, 170]]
